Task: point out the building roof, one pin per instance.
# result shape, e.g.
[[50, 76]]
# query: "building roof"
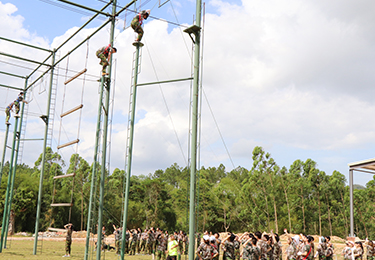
[[363, 165]]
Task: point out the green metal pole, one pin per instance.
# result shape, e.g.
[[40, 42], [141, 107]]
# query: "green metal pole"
[[104, 140], [130, 151], [93, 176], [194, 130], [43, 157], [4, 152], [18, 135], [10, 179]]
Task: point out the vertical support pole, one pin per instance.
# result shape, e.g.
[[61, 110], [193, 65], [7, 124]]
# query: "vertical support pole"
[[130, 150], [194, 130], [351, 203], [40, 192], [105, 136], [18, 135], [4, 152], [94, 172], [10, 180]]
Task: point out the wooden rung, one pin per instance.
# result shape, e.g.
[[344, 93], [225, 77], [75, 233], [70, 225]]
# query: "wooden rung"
[[76, 76], [71, 110], [62, 205], [57, 229], [67, 144], [64, 176]]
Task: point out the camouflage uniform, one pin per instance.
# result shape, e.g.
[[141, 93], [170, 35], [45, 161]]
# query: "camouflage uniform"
[[263, 249], [133, 243], [229, 250], [306, 249], [370, 252], [143, 242], [329, 253], [217, 243], [206, 251], [136, 24], [237, 253], [68, 241], [277, 251], [246, 249], [118, 236], [7, 112], [254, 253], [127, 236], [359, 252], [291, 252], [347, 252], [102, 54], [162, 242], [180, 240], [322, 248], [269, 251]]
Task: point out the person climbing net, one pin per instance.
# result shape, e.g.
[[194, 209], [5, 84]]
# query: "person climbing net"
[[137, 22], [104, 54], [16, 104]]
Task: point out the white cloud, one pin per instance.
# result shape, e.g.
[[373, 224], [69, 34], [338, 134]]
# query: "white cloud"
[[287, 73]]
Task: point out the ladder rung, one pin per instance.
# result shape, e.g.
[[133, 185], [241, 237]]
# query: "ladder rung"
[[76, 76], [67, 144], [64, 176], [71, 110], [62, 205]]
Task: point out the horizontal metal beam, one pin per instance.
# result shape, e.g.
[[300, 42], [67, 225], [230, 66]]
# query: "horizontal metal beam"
[[36, 69], [165, 81], [358, 170], [67, 144], [6, 86], [125, 7], [32, 139], [85, 7], [20, 58], [75, 76], [25, 44], [64, 176], [13, 75], [71, 110]]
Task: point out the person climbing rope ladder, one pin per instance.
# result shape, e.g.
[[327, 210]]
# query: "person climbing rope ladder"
[[16, 104], [137, 22], [104, 54]]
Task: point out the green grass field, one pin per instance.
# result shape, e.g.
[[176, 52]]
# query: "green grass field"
[[23, 249]]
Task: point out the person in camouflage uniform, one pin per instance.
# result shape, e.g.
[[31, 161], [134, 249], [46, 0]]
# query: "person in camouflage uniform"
[[236, 244], [134, 240], [16, 104], [269, 248], [217, 242], [137, 22], [358, 251], [205, 251], [291, 250], [180, 240], [307, 253], [228, 247], [347, 251], [246, 246], [370, 249], [161, 247], [143, 241], [118, 237], [68, 241], [276, 246], [254, 253], [127, 238], [104, 54], [329, 252], [322, 248], [262, 244]]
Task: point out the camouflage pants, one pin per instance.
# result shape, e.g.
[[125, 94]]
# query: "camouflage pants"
[[118, 245], [143, 245], [138, 29], [7, 112], [68, 244], [103, 60], [160, 255], [132, 248], [237, 254]]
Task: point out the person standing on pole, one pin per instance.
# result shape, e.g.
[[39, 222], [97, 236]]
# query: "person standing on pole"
[[104, 54], [137, 22]]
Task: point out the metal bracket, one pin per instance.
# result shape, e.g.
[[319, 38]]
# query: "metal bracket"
[[44, 118], [194, 29]]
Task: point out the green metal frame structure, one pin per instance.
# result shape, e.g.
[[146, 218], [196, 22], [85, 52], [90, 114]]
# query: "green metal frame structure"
[[103, 107]]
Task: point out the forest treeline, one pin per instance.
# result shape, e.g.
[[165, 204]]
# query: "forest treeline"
[[301, 198]]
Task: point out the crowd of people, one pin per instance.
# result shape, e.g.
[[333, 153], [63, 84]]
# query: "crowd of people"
[[250, 246]]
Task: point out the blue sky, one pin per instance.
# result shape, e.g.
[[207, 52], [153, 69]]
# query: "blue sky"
[[293, 77]]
